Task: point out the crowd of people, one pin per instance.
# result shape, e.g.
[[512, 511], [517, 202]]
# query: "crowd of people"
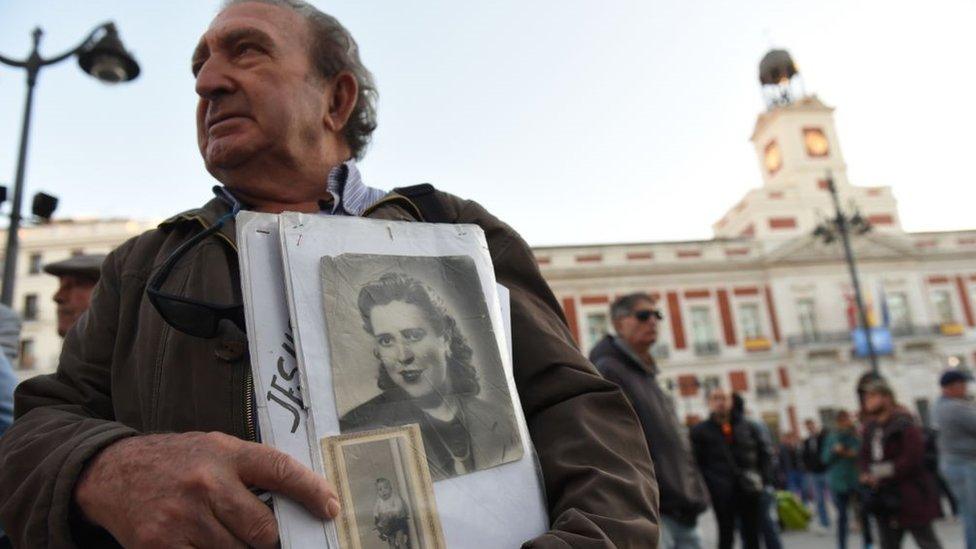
[[877, 464]]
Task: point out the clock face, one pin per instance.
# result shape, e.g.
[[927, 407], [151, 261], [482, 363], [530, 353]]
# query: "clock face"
[[816, 142], [773, 158]]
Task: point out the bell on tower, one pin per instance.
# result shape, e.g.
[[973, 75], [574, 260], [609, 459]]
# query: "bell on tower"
[[781, 81]]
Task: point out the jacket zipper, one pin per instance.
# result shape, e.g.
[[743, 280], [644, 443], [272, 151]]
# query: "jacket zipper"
[[249, 422]]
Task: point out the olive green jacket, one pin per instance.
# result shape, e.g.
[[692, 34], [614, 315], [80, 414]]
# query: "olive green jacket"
[[123, 371]]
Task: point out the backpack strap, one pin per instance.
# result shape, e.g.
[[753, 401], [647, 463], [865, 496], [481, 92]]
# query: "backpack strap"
[[424, 196]]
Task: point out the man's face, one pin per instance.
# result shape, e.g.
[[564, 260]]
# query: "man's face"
[[955, 390], [640, 335], [844, 422], [719, 402], [811, 427], [261, 102], [413, 355], [72, 297], [876, 403]]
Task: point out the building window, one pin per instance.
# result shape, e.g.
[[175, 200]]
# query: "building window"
[[899, 316], [27, 358], [749, 321], [660, 351], [597, 326], [806, 312], [30, 307], [34, 264], [942, 303], [764, 385], [702, 334], [709, 383], [771, 419]]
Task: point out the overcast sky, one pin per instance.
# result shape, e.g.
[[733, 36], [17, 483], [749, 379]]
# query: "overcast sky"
[[576, 121]]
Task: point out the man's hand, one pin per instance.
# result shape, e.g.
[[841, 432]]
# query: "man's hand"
[[191, 490]]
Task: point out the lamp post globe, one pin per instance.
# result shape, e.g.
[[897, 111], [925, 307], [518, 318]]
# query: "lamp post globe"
[[108, 60]]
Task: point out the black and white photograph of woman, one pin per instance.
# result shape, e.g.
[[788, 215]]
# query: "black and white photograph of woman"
[[411, 342]]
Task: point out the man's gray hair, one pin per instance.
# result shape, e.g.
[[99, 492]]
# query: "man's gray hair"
[[624, 305], [333, 50]]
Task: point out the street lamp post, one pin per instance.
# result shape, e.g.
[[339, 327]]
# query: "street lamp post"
[[105, 59], [842, 225]]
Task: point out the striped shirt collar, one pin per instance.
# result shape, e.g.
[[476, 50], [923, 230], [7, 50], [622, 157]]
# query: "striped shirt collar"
[[350, 195]]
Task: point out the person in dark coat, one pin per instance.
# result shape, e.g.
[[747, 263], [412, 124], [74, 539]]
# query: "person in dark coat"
[[903, 495], [736, 466], [816, 470], [768, 528], [625, 359]]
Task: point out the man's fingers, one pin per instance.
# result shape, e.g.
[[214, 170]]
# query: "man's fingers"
[[211, 533], [247, 518], [264, 467]]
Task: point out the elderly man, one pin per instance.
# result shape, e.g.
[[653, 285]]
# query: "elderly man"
[[77, 277], [955, 416], [146, 433], [625, 359]]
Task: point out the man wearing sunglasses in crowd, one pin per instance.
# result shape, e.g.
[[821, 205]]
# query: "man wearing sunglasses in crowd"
[[145, 436], [625, 359]]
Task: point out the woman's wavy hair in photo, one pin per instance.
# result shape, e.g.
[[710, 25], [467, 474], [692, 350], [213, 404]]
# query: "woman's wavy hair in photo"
[[400, 287]]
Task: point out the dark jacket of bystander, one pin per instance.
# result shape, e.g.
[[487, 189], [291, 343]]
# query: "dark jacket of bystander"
[[683, 492]]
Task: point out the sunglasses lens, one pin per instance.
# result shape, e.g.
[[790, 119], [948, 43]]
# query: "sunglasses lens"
[[644, 316], [195, 320]]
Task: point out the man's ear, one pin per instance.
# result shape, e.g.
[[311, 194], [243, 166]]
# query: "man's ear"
[[616, 324], [343, 91]]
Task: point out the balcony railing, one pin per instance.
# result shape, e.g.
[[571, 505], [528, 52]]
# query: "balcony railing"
[[818, 338], [914, 330], [897, 332], [706, 348]]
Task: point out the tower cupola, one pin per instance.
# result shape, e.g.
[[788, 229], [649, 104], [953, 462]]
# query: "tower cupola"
[[780, 79]]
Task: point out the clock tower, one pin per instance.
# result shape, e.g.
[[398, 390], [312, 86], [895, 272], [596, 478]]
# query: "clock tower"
[[796, 144]]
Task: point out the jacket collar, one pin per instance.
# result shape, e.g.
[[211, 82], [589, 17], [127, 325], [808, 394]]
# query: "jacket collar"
[[205, 216], [209, 213], [636, 361]]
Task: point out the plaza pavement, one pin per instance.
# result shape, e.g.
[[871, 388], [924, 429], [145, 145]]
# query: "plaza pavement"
[[949, 532]]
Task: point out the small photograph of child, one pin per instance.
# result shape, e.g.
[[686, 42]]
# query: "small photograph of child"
[[391, 516], [384, 486]]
